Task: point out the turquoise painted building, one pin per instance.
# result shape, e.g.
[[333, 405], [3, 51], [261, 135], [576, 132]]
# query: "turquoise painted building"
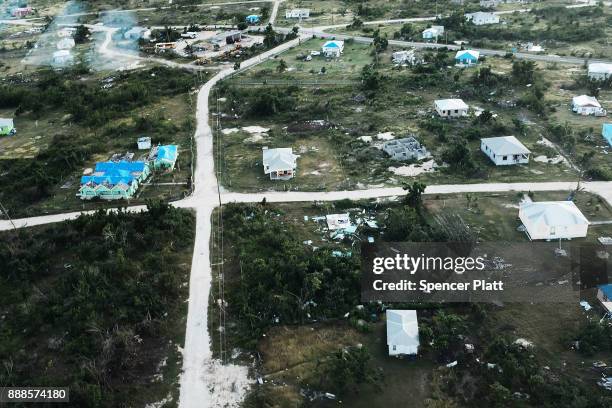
[[467, 57], [606, 132], [7, 127], [166, 157], [114, 180], [253, 19]]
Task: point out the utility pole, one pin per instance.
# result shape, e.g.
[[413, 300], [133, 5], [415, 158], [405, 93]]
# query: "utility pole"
[[7, 216]]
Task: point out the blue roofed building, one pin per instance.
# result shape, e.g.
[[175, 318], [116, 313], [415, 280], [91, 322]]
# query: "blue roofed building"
[[114, 180], [333, 49], [165, 157], [604, 295], [467, 57], [606, 132], [253, 19]]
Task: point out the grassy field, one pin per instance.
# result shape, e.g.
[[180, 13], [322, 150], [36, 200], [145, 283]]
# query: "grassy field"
[[201, 14], [334, 156], [292, 352]]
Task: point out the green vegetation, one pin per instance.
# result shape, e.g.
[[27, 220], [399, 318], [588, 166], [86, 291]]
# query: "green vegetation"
[[280, 280], [101, 116], [274, 310], [548, 24], [324, 108], [97, 305]]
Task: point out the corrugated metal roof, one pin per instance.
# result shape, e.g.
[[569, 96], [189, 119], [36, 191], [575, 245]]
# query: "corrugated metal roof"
[[403, 329], [505, 145]]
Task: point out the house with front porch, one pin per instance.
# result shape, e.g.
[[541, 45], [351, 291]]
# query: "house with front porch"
[[280, 164]]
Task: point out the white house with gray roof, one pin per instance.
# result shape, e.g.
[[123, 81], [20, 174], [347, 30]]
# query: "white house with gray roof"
[[482, 18], [402, 332], [553, 220], [505, 150], [451, 108], [280, 164]]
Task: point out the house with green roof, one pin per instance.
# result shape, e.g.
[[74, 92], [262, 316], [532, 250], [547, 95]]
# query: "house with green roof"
[[7, 127]]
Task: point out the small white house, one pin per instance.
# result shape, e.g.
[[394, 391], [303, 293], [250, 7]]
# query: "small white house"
[[62, 57], [482, 18], [65, 44], [297, 13], [402, 332], [433, 32], [333, 49], [505, 150], [604, 295], [404, 57], [144, 143], [587, 105], [600, 71], [553, 220], [451, 108], [280, 164]]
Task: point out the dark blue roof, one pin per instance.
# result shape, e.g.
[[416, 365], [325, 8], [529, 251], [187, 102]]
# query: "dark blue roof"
[[606, 289]]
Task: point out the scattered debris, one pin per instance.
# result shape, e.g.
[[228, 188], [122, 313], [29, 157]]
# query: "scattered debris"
[[523, 343]]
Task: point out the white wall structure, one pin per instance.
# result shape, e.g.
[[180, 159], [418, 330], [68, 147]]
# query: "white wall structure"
[[451, 108], [587, 105], [402, 332], [505, 150], [297, 13], [482, 18], [552, 220], [600, 71]]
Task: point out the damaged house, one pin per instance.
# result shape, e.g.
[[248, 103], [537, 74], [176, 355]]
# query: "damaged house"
[[407, 148]]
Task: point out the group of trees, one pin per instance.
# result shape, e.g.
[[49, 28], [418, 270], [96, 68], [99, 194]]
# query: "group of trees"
[[81, 299], [272, 38], [346, 370], [279, 279]]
